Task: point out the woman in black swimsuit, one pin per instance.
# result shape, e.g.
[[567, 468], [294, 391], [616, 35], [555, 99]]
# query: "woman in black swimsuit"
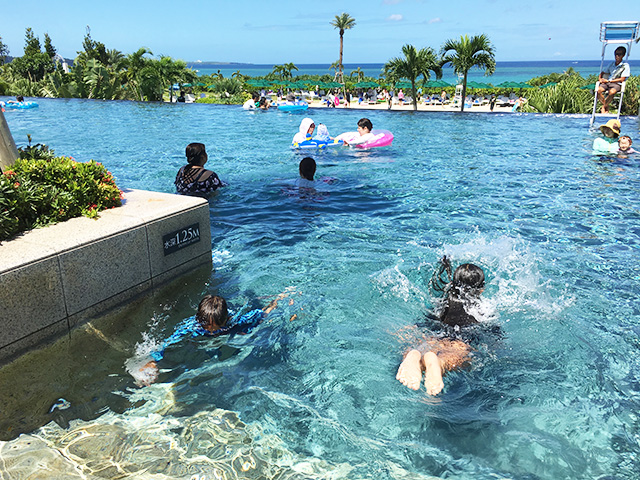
[[193, 179]]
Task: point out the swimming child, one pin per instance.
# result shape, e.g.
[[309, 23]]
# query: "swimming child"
[[212, 320], [437, 356], [624, 145], [305, 131]]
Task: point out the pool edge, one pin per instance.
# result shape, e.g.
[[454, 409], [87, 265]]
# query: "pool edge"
[[56, 278]]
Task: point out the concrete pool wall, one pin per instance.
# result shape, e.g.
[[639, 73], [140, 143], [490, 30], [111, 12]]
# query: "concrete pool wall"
[[56, 278]]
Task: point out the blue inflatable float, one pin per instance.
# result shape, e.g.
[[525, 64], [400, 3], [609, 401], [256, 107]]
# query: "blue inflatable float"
[[293, 107], [20, 105], [317, 144]]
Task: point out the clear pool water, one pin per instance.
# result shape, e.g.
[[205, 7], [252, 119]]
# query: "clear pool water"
[[556, 230]]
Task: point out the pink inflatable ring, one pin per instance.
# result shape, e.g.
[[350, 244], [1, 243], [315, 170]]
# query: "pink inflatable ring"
[[382, 138]]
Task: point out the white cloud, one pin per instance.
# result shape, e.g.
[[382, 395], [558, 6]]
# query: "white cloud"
[[435, 20], [396, 17], [557, 54]]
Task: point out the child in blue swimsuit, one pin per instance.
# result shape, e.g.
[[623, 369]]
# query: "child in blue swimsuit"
[[212, 319]]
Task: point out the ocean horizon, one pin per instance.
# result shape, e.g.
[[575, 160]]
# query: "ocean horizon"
[[520, 71]]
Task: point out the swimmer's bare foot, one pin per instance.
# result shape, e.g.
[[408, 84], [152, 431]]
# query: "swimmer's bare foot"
[[410, 372], [433, 374]]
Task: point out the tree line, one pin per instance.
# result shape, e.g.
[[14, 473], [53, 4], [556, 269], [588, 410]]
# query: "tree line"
[[97, 72]]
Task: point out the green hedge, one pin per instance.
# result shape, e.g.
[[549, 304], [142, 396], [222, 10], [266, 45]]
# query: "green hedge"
[[41, 189]]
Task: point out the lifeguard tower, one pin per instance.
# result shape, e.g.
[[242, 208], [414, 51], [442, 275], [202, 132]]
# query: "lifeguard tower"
[[457, 97], [615, 33]]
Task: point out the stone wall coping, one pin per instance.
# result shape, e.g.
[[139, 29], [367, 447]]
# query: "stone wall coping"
[[142, 207]]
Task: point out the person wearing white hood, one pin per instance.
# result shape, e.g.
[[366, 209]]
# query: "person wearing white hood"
[[304, 133]]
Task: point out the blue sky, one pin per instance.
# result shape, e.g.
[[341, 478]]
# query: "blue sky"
[[283, 31]]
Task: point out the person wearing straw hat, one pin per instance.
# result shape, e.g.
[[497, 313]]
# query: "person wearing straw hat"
[[608, 144]]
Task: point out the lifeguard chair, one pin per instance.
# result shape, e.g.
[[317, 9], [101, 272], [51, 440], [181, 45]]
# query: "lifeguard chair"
[[615, 33], [457, 97]]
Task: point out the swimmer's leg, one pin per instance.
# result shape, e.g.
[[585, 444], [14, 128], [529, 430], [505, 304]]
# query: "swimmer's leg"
[[433, 373], [444, 356], [410, 370]]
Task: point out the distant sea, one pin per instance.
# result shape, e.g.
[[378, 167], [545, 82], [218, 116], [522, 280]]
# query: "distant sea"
[[505, 71]]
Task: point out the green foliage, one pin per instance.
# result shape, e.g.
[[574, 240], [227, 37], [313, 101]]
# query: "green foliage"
[[236, 99], [97, 72], [24, 87], [92, 50], [35, 63], [631, 100], [555, 77], [103, 82], [41, 189], [415, 63], [284, 72], [58, 85], [565, 97], [229, 86], [342, 22], [4, 51], [49, 49], [32, 43], [466, 53]]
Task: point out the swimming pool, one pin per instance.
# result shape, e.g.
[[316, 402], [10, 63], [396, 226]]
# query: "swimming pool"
[[555, 229]]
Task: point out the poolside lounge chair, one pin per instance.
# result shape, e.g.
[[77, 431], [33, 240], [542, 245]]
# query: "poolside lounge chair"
[[616, 33]]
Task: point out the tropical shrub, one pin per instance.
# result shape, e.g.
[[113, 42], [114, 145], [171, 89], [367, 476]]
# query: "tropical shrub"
[[227, 85], [41, 189], [236, 99], [565, 97], [631, 100]]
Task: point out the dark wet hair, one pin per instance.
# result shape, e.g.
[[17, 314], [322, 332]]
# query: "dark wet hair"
[[624, 50], [212, 312], [20, 98], [468, 280], [307, 168], [365, 123], [196, 154]]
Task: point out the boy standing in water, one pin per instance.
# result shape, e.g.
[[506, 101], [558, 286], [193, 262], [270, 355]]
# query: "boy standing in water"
[[438, 356]]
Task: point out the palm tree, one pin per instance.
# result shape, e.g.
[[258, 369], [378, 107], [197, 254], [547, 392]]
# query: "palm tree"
[[238, 76], [466, 53], [278, 70], [288, 69], [136, 63], [342, 22], [415, 63], [358, 73]]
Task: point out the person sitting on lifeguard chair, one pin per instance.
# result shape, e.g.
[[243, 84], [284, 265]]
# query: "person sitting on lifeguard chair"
[[612, 78]]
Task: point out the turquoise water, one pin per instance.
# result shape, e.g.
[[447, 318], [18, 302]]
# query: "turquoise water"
[[556, 230], [505, 71]]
